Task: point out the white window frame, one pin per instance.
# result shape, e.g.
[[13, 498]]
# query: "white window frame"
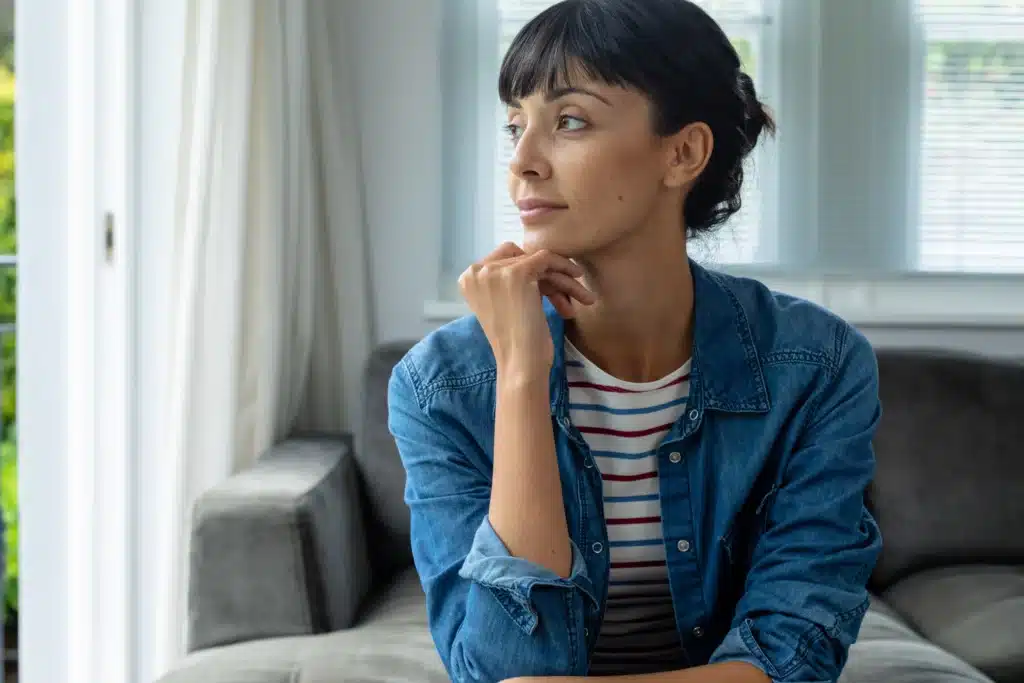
[[76, 145], [813, 133]]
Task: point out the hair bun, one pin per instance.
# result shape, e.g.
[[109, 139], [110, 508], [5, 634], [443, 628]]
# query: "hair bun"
[[756, 116]]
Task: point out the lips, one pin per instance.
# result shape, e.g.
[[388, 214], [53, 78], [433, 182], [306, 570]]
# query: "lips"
[[532, 203], [535, 209]]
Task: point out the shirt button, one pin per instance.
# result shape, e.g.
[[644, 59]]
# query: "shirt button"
[[597, 547], [698, 632], [674, 457], [683, 546], [586, 632], [588, 463], [694, 414]]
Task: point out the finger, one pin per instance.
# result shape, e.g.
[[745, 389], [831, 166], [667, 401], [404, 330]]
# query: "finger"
[[547, 261], [504, 251], [504, 255], [558, 299], [570, 287]]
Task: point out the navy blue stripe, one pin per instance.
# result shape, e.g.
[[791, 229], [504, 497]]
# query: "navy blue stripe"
[[627, 411], [630, 499], [623, 456]]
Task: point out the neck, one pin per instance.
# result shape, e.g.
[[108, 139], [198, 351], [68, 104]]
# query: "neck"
[[640, 328]]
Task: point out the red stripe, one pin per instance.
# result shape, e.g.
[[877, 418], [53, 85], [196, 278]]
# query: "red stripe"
[[621, 390], [623, 601], [650, 592], [643, 648], [636, 565], [629, 477], [651, 623], [608, 637], [634, 520], [652, 619], [625, 433]]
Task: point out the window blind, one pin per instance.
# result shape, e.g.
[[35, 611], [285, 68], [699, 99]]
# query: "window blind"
[[745, 22], [972, 136]]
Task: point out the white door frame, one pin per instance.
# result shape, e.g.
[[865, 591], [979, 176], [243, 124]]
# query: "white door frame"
[[77, 167]]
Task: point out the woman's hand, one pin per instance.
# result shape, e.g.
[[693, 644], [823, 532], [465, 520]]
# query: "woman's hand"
[[504, 290]]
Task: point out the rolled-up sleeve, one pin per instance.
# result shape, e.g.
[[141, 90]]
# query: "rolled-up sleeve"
[[805, 594], [492, 615]]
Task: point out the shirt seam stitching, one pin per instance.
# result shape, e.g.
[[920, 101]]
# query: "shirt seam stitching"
[[436, 386], [815, 633]]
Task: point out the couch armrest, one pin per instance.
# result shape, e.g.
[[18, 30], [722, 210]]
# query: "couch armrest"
[[280, 549]]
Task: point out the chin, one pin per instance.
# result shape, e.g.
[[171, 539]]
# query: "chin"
[[565, 242]]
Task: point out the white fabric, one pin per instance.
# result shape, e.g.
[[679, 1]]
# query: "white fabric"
[[271, 321]]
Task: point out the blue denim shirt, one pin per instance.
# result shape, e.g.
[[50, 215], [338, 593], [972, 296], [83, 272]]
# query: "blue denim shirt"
[[768, 495]]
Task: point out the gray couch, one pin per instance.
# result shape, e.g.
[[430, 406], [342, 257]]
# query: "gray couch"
[[301, 568]]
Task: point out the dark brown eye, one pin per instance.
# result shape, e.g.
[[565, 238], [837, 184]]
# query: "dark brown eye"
[[571, 123]]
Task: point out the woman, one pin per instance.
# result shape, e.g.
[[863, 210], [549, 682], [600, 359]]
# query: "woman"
[[625, 464]]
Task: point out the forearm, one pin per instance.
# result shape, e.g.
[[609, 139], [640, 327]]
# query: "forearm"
[[526, 507], [726, 672]]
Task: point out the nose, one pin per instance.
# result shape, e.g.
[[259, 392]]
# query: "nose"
[[529, 158]]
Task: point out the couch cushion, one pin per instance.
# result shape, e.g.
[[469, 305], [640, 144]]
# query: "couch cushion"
[[390, 644], [889, 651], [976, 613], [950, 452], [381, 468]]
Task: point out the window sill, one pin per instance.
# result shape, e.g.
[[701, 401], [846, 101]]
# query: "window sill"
[[913, 300]]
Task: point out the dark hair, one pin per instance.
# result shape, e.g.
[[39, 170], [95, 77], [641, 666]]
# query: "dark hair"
[[671, 51]]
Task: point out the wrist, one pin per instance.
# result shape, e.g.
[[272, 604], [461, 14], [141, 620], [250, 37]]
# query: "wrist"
[[522, 377]]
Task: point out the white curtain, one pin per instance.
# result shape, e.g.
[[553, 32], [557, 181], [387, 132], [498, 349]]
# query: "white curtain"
[[272, 321]]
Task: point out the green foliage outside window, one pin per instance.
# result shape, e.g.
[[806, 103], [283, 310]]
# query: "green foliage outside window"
[[8, 287]]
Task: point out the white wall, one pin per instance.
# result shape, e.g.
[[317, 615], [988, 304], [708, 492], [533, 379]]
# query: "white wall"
[[399, 90], [398, 52], [1004, 342]]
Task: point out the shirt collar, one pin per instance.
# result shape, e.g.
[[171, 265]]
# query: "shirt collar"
[[726, 372], [724, 354]]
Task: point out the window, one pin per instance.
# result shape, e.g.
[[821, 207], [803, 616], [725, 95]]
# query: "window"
[[741, 240], [972, 136], [893, 184]]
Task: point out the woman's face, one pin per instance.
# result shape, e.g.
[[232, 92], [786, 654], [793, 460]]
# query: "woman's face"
[[587, 168]]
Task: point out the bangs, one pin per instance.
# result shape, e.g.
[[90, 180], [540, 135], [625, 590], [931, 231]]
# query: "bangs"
[[563, 45]]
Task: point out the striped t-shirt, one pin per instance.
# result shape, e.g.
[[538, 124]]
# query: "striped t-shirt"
[[624, 423]]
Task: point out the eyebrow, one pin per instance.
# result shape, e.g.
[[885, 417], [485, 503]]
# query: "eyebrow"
[[552, 95]]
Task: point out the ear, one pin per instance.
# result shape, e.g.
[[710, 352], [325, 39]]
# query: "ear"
[[688, 152]]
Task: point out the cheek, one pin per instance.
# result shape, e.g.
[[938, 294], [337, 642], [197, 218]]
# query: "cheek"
[[616, 180]]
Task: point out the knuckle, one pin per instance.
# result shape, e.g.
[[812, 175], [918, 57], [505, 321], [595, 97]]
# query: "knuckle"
[[469, 275]]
